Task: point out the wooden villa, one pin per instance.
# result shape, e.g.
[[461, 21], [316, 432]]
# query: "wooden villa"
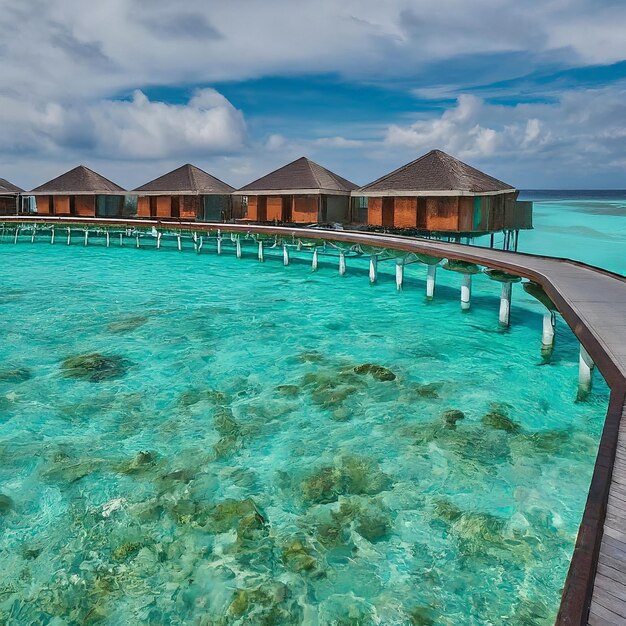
[[9, 198], [80, 192], [439, 194], [299, 192], [187, 193]]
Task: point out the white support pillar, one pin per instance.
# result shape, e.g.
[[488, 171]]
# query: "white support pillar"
[[52, 235], [69, 235], [547, 335], [108, 239], [179, 243], [430, 281], [314, 260], [86, 237], [195, 242], [238, 247], [505, 303], [17, 232], [137, 239], [399, 273], [373, 268], [200, 244], [219, 243], [285, 255], [342, 263], [466, 292], [32, 239], [260, 254], [159, 235], [585, 372], [121, 239]]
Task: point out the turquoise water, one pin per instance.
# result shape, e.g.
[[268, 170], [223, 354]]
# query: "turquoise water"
[[587, 226], [227, 459]]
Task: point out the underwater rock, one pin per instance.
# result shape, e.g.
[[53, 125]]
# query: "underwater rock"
[[225, 423], [462, 267], [341, 414], [269, 603], [421, 616], [312, 356], [128, 324], [451, 417], [142, 462], [122, 552], [15, 375], [6, 504], [298, 557], [368, 517], [322, 487], [500, 421], [378, 372], [291, 391], [189, 397], [429, 390], [227, 515], [95, 367], [353, 476]]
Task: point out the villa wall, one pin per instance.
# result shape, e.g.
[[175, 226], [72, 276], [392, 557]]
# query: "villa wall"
[[61, 205], [304, 209], [274, 209], [253, 206], [85, 206]]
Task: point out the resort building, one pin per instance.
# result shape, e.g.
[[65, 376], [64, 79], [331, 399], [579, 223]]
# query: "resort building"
[[187, 193], [83, 193], [9, 198], [438, 194], [299, 192]]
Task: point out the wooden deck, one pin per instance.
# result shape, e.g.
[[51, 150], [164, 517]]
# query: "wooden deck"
[[593, 303]]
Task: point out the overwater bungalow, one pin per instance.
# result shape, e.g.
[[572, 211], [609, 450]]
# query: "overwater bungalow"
[[80, 192], [300, 192], [187, 193], [439, 194], [9, 197]]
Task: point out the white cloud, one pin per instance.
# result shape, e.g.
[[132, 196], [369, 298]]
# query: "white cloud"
[[574, 140], [125, 129]]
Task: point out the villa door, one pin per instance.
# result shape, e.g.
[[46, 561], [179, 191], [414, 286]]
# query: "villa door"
[[388, 212]]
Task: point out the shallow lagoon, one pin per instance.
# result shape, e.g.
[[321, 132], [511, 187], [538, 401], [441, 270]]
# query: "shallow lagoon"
[[226, 464]]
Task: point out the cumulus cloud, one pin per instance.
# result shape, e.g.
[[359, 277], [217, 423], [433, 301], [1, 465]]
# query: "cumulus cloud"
[[583, 133], [125, 129]]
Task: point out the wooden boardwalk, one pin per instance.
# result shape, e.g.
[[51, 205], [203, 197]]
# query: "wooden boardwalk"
[[593, 303]]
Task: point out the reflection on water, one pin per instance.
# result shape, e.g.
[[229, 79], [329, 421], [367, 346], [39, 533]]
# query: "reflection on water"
[[196, 439]]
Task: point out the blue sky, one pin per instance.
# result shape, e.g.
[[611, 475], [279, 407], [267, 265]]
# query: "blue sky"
[[533, 93]]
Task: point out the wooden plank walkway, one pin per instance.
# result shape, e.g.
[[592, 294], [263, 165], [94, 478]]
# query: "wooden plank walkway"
[[593, 303]]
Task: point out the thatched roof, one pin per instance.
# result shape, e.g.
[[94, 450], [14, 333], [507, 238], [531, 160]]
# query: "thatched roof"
[[9, 189], [187, 179], [80, 180], [436, 173], [300, 176]]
